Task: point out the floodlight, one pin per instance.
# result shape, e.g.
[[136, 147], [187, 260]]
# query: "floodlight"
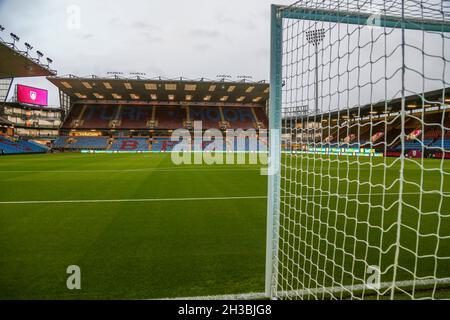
[[28, 46], [14, 37]]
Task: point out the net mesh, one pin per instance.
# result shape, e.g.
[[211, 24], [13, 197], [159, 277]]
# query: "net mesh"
[[364, 205]]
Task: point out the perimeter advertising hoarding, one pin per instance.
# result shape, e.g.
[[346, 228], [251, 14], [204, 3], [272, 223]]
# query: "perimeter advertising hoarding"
[[32, 95]]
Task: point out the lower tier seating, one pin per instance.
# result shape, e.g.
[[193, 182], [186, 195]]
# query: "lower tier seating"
[[94, 143], [20, 146], [130, 144]]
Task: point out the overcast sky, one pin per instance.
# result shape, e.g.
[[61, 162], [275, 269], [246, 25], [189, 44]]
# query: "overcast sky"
[[171, 38], [206, 38]]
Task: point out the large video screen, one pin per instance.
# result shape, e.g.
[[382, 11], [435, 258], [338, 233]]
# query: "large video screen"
[[32, 95]]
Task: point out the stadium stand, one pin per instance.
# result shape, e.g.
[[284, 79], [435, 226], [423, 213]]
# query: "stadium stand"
[[99, 116], [19, 147], [156, 109], [102, 117], [171, 118], [130, 144], [132, 117], [75, 143], [210, 116], [162, 144], [239, 118]]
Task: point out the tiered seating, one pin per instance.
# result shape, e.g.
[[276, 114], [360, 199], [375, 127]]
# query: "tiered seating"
[[415, 144], [239, 118], [60, 142], [162, 145], [21, 146], [210, 116], [165, 118], [170, 117], [130, 144], [95, 143], [73, 115], [262, 117], [442, 144], [135, 117], [166, 145], [250, 144], [34, 146], [98, 117]]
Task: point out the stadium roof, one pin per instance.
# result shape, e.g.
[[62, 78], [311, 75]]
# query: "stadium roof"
[[15, 63], [428, 100], [157, 90]]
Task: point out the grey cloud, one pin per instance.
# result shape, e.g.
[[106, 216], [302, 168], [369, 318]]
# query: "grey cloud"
[[152, 37], [202, 47], [87, 36], [170, 38], [205, 33]]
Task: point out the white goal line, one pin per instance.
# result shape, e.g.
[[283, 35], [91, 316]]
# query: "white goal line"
[[200, 198], [323, 290]]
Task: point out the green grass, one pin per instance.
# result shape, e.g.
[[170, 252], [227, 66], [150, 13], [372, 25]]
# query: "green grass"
[[143, 249], [346, 218], [129, 250]]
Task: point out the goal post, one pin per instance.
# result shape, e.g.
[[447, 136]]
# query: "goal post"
[[344, 220]]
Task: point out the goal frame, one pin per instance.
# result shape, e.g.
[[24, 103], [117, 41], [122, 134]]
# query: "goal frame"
[[278, 13]]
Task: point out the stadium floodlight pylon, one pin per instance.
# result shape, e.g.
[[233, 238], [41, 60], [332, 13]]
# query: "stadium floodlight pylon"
[[315, 37], [340, 225]]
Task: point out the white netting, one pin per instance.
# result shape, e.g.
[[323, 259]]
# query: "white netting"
[[364, 212]]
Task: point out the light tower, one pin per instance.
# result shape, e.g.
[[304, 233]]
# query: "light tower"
[[315, 37]]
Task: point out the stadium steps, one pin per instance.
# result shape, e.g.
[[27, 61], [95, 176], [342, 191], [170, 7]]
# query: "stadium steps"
[[110, 143]]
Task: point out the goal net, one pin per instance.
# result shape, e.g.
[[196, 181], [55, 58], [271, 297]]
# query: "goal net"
[[360, 205]]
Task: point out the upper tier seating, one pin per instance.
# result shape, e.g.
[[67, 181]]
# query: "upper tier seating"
[[170, 117], [240, 118], [209, 116], [135, 117], [163, 117], [98, 117], [74, 114]]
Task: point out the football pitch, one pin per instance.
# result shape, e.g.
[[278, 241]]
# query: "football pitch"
[[140, 227]]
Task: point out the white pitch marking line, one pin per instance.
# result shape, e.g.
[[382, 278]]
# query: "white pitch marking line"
[[132, 200], [320, 290], [201, 198], [170, 169]]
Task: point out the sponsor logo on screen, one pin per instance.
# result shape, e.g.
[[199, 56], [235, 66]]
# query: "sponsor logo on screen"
[[32, 95]]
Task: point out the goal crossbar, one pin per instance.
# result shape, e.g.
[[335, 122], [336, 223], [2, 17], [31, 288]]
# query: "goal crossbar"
[[359, 18]]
